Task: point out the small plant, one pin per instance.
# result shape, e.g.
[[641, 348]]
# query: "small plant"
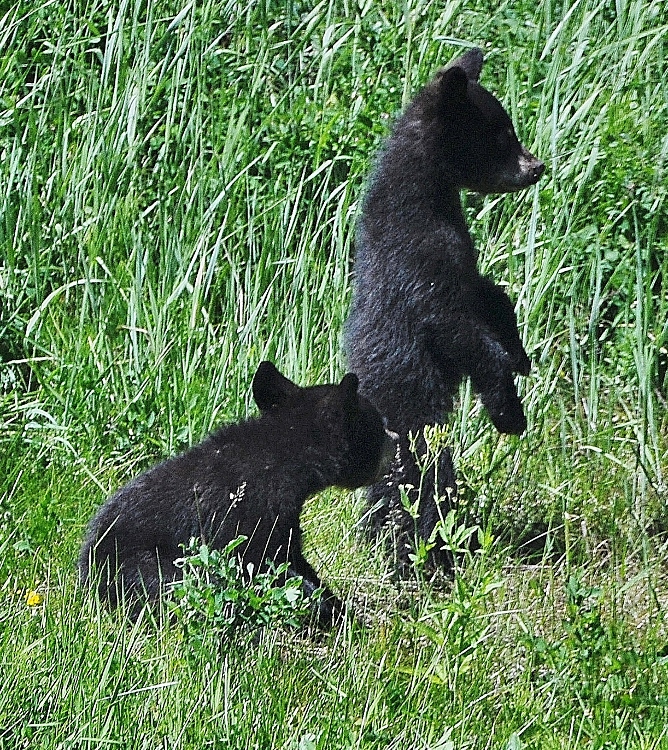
[[595, 657], [421, 547], [459, 626], [585, 639], [448, 535], [456, 537], [217, 597]]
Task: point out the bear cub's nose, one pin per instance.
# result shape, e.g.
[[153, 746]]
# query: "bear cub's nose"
[[538, 170]]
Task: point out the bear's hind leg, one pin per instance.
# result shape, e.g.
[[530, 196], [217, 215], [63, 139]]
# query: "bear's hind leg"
[[330, 608], [138, 579]]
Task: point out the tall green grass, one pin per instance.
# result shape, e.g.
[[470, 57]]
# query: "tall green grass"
[[178, 190]]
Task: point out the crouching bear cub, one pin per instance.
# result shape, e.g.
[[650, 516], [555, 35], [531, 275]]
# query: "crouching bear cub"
[[250, 478], [422, 316]]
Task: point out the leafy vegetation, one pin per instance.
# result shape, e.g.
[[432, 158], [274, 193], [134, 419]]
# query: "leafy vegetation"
[[217, 600], [178, 189]]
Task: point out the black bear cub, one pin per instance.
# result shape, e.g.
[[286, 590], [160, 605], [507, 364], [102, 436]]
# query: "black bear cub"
[[422, 316], [250, 478]]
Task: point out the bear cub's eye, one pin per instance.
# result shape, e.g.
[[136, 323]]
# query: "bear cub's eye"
[[504, 139]]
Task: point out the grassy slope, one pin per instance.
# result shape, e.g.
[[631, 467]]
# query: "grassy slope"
[[177, 194]]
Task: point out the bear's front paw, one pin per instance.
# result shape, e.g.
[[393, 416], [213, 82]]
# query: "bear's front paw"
[[510, 423], [519, 361], [508, 415]]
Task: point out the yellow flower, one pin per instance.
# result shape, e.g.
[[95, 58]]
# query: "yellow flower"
[[34, 599]]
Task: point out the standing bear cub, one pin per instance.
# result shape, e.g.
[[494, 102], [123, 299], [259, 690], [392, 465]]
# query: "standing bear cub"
[[250, 478], [422, 316]]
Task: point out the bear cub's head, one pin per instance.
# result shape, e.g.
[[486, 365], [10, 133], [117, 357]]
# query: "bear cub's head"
[[471, 134], [343, 429]]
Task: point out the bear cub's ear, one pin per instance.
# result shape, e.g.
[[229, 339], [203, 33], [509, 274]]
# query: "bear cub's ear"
[[271, 388], [452, 85], [453, 81], [470, 62]]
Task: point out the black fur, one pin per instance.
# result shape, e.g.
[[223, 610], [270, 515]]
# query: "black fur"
[[250, 478], [422, 316]]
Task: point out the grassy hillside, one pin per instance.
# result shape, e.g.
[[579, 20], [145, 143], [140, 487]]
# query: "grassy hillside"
[[178, 190]]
